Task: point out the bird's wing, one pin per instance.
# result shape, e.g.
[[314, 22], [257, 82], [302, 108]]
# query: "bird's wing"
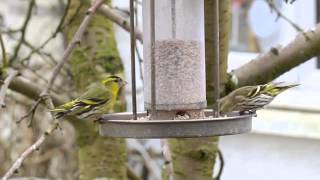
[[273, 89], [95, 94]]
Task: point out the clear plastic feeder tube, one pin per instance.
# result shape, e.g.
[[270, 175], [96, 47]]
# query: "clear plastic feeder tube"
[[179, 54]]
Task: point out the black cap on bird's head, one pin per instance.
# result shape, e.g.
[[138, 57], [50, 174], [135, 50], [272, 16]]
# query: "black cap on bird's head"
[[114, 79]]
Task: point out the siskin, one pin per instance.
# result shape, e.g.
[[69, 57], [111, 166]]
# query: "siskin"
[[251, 98], [99, 98]]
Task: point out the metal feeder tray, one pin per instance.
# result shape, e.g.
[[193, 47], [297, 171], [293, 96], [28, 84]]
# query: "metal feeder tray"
[[122, 125]]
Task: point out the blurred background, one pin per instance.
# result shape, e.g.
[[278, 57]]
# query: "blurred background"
[[284, 142]]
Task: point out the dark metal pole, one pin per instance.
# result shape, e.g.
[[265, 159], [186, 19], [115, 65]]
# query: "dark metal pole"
[[216, 50], [133, 61], [318, 20], [152, 58]]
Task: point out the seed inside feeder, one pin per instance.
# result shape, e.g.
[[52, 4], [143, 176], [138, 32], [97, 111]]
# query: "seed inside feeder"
[[180, 75]]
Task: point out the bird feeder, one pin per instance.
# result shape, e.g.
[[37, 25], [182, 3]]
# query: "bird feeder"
[[175, 53], [174, 77]]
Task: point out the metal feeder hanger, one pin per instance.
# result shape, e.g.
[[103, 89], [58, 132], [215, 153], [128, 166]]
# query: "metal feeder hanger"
[[161, 121]]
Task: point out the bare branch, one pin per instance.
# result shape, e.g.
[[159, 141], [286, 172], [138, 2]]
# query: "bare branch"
[[4, 87], [119, 20], [140, 62], [3, 51], [38, 51], [35, 146], [59, 27], [74, 15], [30, 113], [167, 158], [273, 7], [45, 93], [152, 167], [291, 2], [53, 35], [277, 61], [26, 88], [74, 42], [23, 30]]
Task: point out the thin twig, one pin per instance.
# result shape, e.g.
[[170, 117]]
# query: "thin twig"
[[45, 93], [23, 30], [4, 87], [74, 42], [35, 146], [140, 62], [60, 25], [167, 158], [39, 76], [125, 24], [40, 52], [49, 103], [281, 15], [53, 35], [74, 15], [30, 113], [291, 2], [3, 51], [221, 159], [119, 20], [122, 10]]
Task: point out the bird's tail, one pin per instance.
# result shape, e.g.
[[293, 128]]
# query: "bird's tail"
[[274, 89], [60, 112], [78, 107], [65, 109]]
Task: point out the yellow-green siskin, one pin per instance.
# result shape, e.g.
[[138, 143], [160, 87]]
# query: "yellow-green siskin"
[[99, 98], [251, 98]]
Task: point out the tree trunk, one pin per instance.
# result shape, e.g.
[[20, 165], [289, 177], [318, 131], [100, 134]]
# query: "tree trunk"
[[194, 158], [98, 156]]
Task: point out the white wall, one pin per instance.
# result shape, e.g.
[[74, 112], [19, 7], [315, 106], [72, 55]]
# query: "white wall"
[[257, 156]]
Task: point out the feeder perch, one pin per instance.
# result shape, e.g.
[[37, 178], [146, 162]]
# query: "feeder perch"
[[174, 77]]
